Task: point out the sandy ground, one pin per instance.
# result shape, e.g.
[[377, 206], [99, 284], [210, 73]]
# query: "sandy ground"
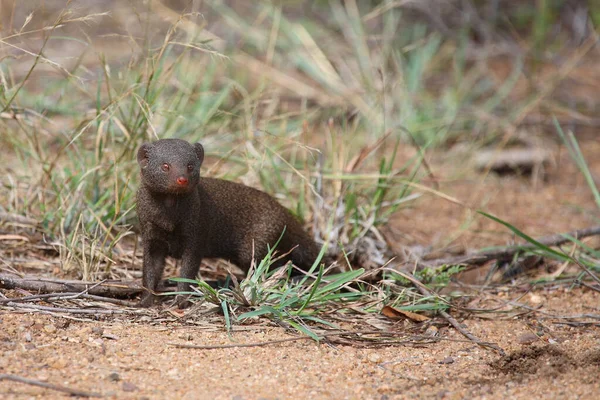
[[122, 359], [135, 361]]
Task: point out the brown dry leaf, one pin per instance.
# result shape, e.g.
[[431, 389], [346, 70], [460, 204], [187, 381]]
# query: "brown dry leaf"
[[395, 314], [176, 312]]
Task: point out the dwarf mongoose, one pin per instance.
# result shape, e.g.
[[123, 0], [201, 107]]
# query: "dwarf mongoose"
[[189, 217]]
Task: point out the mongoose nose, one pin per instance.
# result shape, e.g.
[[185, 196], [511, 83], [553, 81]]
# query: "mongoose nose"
[[182, 181]]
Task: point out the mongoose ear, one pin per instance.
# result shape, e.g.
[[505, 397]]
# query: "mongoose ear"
[[142, 155], [199, 152]]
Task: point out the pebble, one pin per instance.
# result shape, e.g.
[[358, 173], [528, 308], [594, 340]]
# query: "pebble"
[[129, 387], [431, 331], [109, 336], [60, 363], [447, 360], [527, 338], [374, 358], [114, 377], [173, 372]]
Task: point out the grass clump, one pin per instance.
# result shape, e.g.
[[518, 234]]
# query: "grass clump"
[[294, 302]]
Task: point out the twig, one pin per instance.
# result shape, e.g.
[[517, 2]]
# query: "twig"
[[68, 296], [321, 337], [45, 285], [507, 253], [231, 346], [34, 307], [426, 292], [34, 382], [20, 219], [469, 335], [594, 288]]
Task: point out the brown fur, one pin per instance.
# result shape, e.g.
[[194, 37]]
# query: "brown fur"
[[185, 216]]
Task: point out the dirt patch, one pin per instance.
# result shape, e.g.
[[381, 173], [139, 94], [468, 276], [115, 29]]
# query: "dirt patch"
[[547, 360], [124, 359], [592, 358]]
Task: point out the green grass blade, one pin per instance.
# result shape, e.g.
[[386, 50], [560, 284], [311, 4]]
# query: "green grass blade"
[[577, 156], [315, 286], [542, 247]]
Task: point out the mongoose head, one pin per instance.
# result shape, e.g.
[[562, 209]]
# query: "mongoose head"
[[170, 165]]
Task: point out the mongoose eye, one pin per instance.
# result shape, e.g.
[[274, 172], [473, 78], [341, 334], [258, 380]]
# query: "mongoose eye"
[[165, 167], [190, 167]]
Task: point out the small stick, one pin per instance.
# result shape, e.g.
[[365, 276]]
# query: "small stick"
[[34, 382], [231, 346], [68, 296], [426, 292], [45, 285], [19, 219], [469, 335], [34, 307], [508, 252], [296, 338]]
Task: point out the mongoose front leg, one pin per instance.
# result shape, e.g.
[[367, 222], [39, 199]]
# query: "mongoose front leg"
[[155, 252], [190, 265]]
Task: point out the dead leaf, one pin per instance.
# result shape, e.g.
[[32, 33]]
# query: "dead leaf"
[[396, 314], [177, 313]]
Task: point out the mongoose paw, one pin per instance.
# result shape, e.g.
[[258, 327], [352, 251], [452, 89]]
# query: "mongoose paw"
[[148, 300]]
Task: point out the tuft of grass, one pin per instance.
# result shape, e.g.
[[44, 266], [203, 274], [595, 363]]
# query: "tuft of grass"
[[275, 295]]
